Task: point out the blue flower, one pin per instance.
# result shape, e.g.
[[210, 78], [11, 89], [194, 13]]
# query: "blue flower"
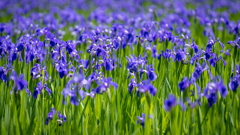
[[212, 99], [141, 120], [235, 81], [215, 59], [62, 69], [116, 44], [13, 56], [108, 64], [73, 96], [36, 71], [233, 85], [170, 102], [166, 55], [20, 47], [39, 88], [222, 89], [207, 55], [133, 64], [83, 94], [194, 46], [105, 84], [151, 74], [3, 73], [154, 51], [200, 69], [130, 37], [184, 84], [180, 54], [19, 83], [181, 103], [211, 91], [60, 116], [52, 43], [131, 86], [145, 86], [51, 115]]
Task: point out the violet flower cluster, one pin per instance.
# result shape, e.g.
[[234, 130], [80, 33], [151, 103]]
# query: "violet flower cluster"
[[83, 52]]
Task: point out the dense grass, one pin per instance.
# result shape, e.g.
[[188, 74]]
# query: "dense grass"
[[116, 111]]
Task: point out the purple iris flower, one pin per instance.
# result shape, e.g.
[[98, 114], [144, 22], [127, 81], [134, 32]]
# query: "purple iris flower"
[[180, 54], [134, 62], [73, 96], [19, 83], [193, 104], [235, 81], [3, 75], [207, 55], [116, 44], [52, 42], [13, 56], [36, 71], [29, 57], [105, 84], [130, 37], [184, 84], [62, 72], [2, 27], [233, 84], [4, 72], [222, 45], [51, 115], [131, 86], [83, 94], [194, 46], [62, 68], [200, 69], [196, 56], [226, 52], [170, 102], [212, 99], [108, 64], [236, 42], [39, 88], [85, 64], [211, 42], [100, 52], [211, 91], [78, 81], [238, 69], [166, 55], [154, 51], [209, 47], [55, 55], [150, 72], [181, 103], [20, 47], [141, 120], [215, 59], [145, 86], [222, 89], [60, 116]]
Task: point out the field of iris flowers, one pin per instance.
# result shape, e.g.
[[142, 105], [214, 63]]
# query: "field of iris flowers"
[[119, 67]]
